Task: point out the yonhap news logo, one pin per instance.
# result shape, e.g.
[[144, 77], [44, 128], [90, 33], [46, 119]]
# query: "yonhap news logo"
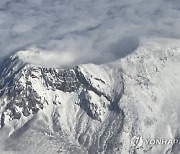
[[138, 141]]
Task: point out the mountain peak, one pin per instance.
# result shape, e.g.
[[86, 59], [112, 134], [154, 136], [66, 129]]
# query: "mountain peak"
[[27, 54], [94, 105], [30, 56], [48, 59]]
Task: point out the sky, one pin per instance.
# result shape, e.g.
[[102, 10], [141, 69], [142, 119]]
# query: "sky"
[[85, 31]]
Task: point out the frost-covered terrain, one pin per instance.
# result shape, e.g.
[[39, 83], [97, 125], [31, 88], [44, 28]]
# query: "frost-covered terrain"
[[80, 76], [92, 108]]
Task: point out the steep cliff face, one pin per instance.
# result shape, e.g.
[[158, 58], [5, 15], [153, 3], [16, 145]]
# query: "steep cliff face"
[[92, 108]]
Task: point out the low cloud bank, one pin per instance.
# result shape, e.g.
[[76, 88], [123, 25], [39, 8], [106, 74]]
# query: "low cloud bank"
[[84, 31]]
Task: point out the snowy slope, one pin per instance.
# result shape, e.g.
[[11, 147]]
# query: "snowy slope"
[[92, 108]]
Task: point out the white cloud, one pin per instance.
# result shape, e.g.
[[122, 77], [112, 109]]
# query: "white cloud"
[[85, 31]]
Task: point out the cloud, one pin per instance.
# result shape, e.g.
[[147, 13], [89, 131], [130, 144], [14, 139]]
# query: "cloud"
[[84, 31]]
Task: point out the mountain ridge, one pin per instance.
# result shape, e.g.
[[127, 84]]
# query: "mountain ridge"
[[97, 108]]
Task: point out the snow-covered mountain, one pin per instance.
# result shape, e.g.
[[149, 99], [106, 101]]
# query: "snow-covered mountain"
[[92, 108]]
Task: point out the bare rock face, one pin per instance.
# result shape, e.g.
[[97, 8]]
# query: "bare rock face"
[[92, 108]]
